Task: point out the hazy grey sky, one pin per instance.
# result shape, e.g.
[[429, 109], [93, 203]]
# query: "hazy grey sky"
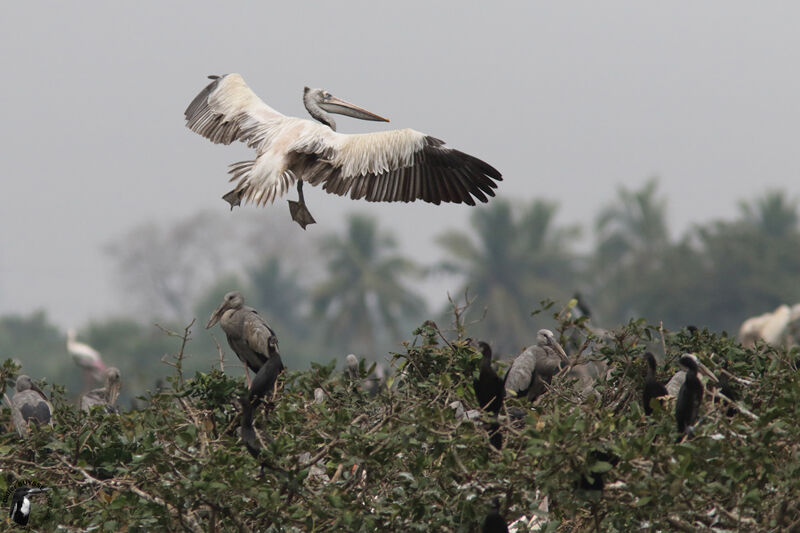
[[567, 100]]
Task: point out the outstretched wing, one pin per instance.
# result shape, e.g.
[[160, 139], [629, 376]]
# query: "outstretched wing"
[[389, 166], [228, 110], [392, 166]]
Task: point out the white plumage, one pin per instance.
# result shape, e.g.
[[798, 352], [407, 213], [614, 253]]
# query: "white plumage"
[[398, 165], [85, 356]]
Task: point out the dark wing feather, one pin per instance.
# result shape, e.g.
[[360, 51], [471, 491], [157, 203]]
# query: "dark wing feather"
[[437, 174]]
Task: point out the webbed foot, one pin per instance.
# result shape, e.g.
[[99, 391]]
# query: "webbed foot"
[[301, 214]]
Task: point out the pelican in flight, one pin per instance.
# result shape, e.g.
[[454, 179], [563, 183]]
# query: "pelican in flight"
[[387, 166]]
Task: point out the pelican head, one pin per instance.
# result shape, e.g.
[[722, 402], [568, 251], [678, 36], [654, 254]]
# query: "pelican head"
[[232, 300], [320, 102]]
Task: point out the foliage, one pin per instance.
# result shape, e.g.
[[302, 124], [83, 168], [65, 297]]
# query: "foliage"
[[401, 461]]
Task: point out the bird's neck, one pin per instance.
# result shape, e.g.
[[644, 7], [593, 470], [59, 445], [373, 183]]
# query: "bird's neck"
[[316, 112]]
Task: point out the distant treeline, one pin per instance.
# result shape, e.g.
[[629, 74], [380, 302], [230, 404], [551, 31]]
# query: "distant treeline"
[[356, 292]]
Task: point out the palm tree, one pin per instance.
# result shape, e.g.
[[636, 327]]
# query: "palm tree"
[[510, 265], [634, 226], [632, 242], [364, 300], [773, 214]]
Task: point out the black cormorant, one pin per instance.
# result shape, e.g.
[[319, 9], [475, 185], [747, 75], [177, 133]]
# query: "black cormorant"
[[689, 397], [652, 388]]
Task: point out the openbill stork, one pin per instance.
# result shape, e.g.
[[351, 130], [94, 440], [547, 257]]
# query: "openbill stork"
[[534, 368], [31, 405], [388, 166], [105, 396], [249, 335]]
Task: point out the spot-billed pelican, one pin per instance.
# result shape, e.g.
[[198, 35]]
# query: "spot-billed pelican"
[[387, 166]]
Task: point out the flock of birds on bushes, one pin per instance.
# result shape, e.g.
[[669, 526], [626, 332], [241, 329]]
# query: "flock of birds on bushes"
[[528, 376], [388, 166]]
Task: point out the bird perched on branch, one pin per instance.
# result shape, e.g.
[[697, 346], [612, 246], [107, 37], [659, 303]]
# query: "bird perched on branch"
[[387, 166], [31, 404], [488, 387], [690, 396], [106, 396], [263, 385], [652, 388], [20, 510], [534, 368], [249, 335]]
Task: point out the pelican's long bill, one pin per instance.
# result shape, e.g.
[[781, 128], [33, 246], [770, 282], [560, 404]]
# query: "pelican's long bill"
[[343, 107]]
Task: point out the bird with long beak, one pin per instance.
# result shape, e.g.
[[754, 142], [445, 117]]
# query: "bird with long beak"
[[248, 334], [106, 396], [534, 368], [385, 166]]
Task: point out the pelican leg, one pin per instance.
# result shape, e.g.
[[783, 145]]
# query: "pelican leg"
[[300, 213], [247, 375]]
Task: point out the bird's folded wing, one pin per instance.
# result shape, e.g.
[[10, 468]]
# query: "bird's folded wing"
[[257, 333]]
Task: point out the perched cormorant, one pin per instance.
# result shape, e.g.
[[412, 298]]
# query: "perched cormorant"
[[263, 385], [594, 480], [489, 388], [20, 510], [689, 397], [728, 390], [652, 388], [494, 522]]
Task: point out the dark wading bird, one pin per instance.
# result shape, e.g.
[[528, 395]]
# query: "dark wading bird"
[[489, 388], [263, 385], [690, 396], [652, 388], [248, 334], [494, 522], [534, 368], [31, 404], [387, 166], [599, 462], [106, 396], [489, 391], [20, 510]]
